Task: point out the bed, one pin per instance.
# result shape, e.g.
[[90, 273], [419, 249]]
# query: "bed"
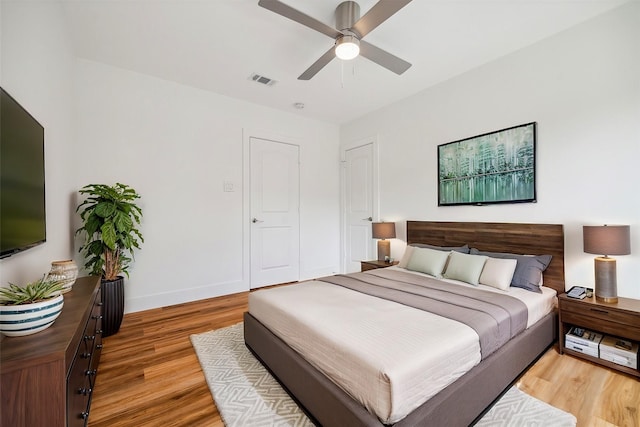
[[458, 403]]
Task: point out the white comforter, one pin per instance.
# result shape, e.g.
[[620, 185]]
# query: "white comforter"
[[389, 357]]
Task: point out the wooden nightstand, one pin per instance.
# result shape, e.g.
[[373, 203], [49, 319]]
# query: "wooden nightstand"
[[371, 265], [621, 319]]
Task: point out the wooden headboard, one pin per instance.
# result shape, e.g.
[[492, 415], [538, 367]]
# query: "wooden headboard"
[[527, 239]]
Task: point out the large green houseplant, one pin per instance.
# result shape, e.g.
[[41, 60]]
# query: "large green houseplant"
[[110, 219]]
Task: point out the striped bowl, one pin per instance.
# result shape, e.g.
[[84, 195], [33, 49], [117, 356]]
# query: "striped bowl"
[[27, 319]]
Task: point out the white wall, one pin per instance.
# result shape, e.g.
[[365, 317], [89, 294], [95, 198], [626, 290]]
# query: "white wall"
[[38, 71], [176, 145], [582, 87]]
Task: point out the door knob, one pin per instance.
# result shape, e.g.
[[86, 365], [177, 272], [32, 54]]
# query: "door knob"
[[254, 220], [367, 219]]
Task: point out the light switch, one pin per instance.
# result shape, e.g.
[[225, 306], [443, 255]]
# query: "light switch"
[[228, 186]]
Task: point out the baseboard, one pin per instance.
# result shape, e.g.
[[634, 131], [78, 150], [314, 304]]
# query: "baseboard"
[[165, 299], [318, 272]]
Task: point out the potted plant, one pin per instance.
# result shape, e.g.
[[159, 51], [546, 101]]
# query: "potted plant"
[[25, 310], [110, 219]]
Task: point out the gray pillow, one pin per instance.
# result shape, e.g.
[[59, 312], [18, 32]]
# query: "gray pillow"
[[528, 269], [462, 249]]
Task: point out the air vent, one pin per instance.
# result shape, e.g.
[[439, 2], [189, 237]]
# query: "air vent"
[[262, 79]]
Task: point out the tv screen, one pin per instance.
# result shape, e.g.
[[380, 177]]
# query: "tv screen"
[[22, 196]]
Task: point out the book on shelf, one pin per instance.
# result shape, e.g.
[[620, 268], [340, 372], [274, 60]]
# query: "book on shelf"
[[584, 336]]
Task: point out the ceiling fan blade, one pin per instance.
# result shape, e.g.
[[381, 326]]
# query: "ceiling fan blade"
[[299, 17], [379, 13], [318, 65], [383, 58]]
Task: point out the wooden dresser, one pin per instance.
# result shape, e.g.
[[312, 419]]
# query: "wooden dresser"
[[47, 378]]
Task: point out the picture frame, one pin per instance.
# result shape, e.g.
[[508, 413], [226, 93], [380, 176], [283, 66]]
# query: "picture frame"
[[495, 167]]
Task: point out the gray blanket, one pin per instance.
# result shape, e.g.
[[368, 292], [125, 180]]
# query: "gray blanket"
[[495, 317]]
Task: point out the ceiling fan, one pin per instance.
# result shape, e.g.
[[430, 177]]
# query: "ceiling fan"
[[351, 28]]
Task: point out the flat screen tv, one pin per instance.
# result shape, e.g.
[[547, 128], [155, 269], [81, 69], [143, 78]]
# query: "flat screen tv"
[[22, 195]]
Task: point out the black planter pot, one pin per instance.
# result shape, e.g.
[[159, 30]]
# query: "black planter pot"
[[112, 305]]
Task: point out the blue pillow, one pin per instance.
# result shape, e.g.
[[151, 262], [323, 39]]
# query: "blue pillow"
[[529, 268]]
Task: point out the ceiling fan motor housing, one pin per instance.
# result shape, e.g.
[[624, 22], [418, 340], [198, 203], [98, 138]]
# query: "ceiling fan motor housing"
[[347, 13]]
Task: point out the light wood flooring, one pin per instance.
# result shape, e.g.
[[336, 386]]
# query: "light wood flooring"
[[149, 374]]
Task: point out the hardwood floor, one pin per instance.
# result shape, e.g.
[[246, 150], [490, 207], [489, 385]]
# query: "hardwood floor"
[[149, 374]]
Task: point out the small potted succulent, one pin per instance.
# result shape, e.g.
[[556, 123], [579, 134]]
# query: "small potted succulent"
[[25, 310]]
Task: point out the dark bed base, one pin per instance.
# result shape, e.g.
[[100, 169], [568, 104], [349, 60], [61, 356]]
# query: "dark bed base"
[[460, 404]]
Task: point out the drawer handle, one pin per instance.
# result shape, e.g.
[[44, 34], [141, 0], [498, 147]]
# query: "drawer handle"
[[85, 355], [91, 372], [99, 346], [84, 415], [84, 391], [597, 310], [98, 331], [89, 337], [97, 317]]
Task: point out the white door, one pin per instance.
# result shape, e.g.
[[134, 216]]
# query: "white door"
[[275, 234], [358, 205]]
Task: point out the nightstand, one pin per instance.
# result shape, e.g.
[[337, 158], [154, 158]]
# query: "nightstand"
[[621, 319], [372, 265]]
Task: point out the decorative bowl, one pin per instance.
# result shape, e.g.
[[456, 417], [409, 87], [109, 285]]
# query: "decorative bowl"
[[27, 319]]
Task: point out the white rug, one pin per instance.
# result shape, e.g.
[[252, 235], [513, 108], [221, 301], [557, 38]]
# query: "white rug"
[[247, 395]]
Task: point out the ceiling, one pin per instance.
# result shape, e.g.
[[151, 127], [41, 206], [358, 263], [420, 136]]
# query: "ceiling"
[[217, 44]]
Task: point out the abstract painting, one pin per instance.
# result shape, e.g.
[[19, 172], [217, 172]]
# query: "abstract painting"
[[495, 167]]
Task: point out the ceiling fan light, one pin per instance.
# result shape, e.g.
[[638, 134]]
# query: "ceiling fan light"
[[347, 47]]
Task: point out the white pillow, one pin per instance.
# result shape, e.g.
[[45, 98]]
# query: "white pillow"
[[406, 257], [428, 261], [466, 268], [498, 273]]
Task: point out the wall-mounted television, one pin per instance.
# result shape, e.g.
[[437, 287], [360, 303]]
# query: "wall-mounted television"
[[22, 194]]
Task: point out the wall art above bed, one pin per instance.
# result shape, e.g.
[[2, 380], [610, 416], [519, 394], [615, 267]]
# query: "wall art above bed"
[[496, 167]]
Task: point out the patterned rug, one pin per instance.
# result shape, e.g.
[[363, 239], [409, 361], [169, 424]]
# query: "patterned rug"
[[247, 395]]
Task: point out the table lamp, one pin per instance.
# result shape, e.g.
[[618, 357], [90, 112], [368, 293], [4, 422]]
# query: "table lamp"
[[384, 230], [606, 240]]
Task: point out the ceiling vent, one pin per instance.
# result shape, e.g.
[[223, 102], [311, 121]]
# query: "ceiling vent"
[[262, 79]]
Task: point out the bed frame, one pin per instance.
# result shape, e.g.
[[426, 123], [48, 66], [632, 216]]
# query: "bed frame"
[[462, 402]]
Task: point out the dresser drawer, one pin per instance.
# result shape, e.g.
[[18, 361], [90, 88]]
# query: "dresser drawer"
[[598, 312], [84, 369], [79, 389], [601, 323]]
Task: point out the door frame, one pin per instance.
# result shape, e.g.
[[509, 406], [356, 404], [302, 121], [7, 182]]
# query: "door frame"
[[247, 134], [373, 140]]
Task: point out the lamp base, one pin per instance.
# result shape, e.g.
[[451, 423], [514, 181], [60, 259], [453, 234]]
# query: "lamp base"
[[384, 249], [606, 282]]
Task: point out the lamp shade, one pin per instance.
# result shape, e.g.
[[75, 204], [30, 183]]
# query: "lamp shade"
[[607, 239], [384, 230]]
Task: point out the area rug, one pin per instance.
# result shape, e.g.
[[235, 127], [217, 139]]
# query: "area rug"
[[247, 395]]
